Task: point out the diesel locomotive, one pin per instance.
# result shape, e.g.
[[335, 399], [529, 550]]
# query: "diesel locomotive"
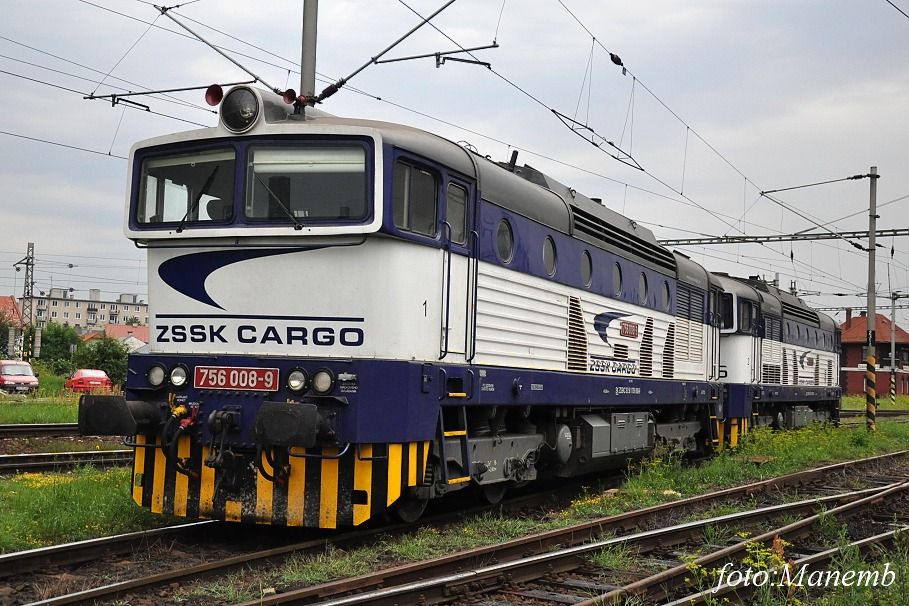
[[351, 317]]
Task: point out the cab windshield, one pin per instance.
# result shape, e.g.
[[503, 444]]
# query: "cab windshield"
[[304, 184], [187, 188]]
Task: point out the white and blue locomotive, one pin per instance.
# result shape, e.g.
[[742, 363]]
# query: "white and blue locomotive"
[[350, 317]]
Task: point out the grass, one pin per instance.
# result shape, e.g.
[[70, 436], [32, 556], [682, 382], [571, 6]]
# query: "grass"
[[615, 557], [46, 509], [659, 480], [60, 409], [883, 402], [649, 483]]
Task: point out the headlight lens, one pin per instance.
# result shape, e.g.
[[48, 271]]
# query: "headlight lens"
[[239, 109], [322, 381], [178, 376], [296, 380], [156, 375]]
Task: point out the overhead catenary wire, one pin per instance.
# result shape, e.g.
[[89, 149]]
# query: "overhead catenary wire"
[[567, 164]]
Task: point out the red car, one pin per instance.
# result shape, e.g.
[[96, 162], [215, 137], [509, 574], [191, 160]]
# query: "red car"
[[17, 376], [88, 380]]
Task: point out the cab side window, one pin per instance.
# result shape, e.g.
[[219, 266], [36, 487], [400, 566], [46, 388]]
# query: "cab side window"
[[415, 199], [727, 312], [457, 213], [746, 316]]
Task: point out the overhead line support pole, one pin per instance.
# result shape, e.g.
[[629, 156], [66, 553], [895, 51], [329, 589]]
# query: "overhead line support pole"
[[871, 317]]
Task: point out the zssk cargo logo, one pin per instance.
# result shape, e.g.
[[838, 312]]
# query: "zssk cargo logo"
[[324, 336], [187, 275]]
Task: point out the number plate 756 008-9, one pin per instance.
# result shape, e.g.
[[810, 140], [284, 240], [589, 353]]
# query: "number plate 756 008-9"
[[228, 377]]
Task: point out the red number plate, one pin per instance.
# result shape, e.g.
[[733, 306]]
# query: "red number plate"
[[227, 377]]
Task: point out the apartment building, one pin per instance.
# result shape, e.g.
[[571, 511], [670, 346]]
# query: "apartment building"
[[63, 307]]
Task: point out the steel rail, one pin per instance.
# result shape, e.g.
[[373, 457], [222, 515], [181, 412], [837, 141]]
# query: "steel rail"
[[533, 567], [38, 429], [51, 461], [543, 543], [82, 551], [864, 546], [663, 581]]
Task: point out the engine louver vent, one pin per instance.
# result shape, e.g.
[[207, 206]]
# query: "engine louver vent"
[[669, 352], [600, 230], [800, 313], [577, 336], [785, 380], [773, 328], [830, 373], [647, 349], [771, 373], [620, 351], [817, 372]]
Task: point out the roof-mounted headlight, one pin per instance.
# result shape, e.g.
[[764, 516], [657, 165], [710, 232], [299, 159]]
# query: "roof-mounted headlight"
[[239, 109]]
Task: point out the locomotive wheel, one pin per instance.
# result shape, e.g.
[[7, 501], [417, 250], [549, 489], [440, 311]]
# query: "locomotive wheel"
[[493, 493], [409, 508]]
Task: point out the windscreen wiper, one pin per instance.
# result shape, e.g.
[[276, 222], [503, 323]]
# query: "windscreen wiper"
[[202, 192], [297, 225]]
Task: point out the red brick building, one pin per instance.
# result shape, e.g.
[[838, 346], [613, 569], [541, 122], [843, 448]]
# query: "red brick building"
[[854, 336]]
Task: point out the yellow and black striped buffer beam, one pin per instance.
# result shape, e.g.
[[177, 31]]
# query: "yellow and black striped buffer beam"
[[319, 492]]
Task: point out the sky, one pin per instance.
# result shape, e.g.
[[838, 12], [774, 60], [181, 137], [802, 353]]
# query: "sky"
[[719, 101]]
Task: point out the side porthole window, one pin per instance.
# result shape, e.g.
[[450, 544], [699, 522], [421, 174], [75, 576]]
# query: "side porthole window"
[[586, 268], [642, 289], [505, 241], [549, 256], [617, 279], [667, 304]]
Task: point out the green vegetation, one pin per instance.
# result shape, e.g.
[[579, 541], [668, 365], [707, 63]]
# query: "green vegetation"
[[40, 410], [659, 480], [45, 509], [104, 353], [615, 557], [649, 483], [883, 402]]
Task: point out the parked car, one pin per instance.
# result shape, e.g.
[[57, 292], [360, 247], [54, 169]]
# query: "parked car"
[[17, 376], [88, 380]]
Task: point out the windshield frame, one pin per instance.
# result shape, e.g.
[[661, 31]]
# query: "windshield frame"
[[240, 225], [299, 144]]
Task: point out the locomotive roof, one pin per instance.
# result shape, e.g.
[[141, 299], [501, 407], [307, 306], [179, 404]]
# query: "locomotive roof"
[[523, 190]]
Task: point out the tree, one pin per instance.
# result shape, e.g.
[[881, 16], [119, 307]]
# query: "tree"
[[57, 341], [104, 353], [132, 321], [6, 322]]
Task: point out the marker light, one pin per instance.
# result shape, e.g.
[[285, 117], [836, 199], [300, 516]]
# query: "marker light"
[[296, 380], [178, 376], [322, 381], [156, 375], [239, 109], [214, 94]]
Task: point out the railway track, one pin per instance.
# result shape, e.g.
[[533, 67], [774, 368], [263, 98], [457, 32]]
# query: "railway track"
[[57, 461], [466, 578], [506, 552], [29, 430]]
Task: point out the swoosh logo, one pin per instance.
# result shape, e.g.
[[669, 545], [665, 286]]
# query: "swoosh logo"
[[602, 321], [187, 273]]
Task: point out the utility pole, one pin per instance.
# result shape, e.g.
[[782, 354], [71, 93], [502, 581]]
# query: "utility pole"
[[893, 297], [27, 297], [308, 59], [871, 317]]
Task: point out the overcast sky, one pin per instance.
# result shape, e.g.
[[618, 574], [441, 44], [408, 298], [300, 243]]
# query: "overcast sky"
[[722, 99]]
